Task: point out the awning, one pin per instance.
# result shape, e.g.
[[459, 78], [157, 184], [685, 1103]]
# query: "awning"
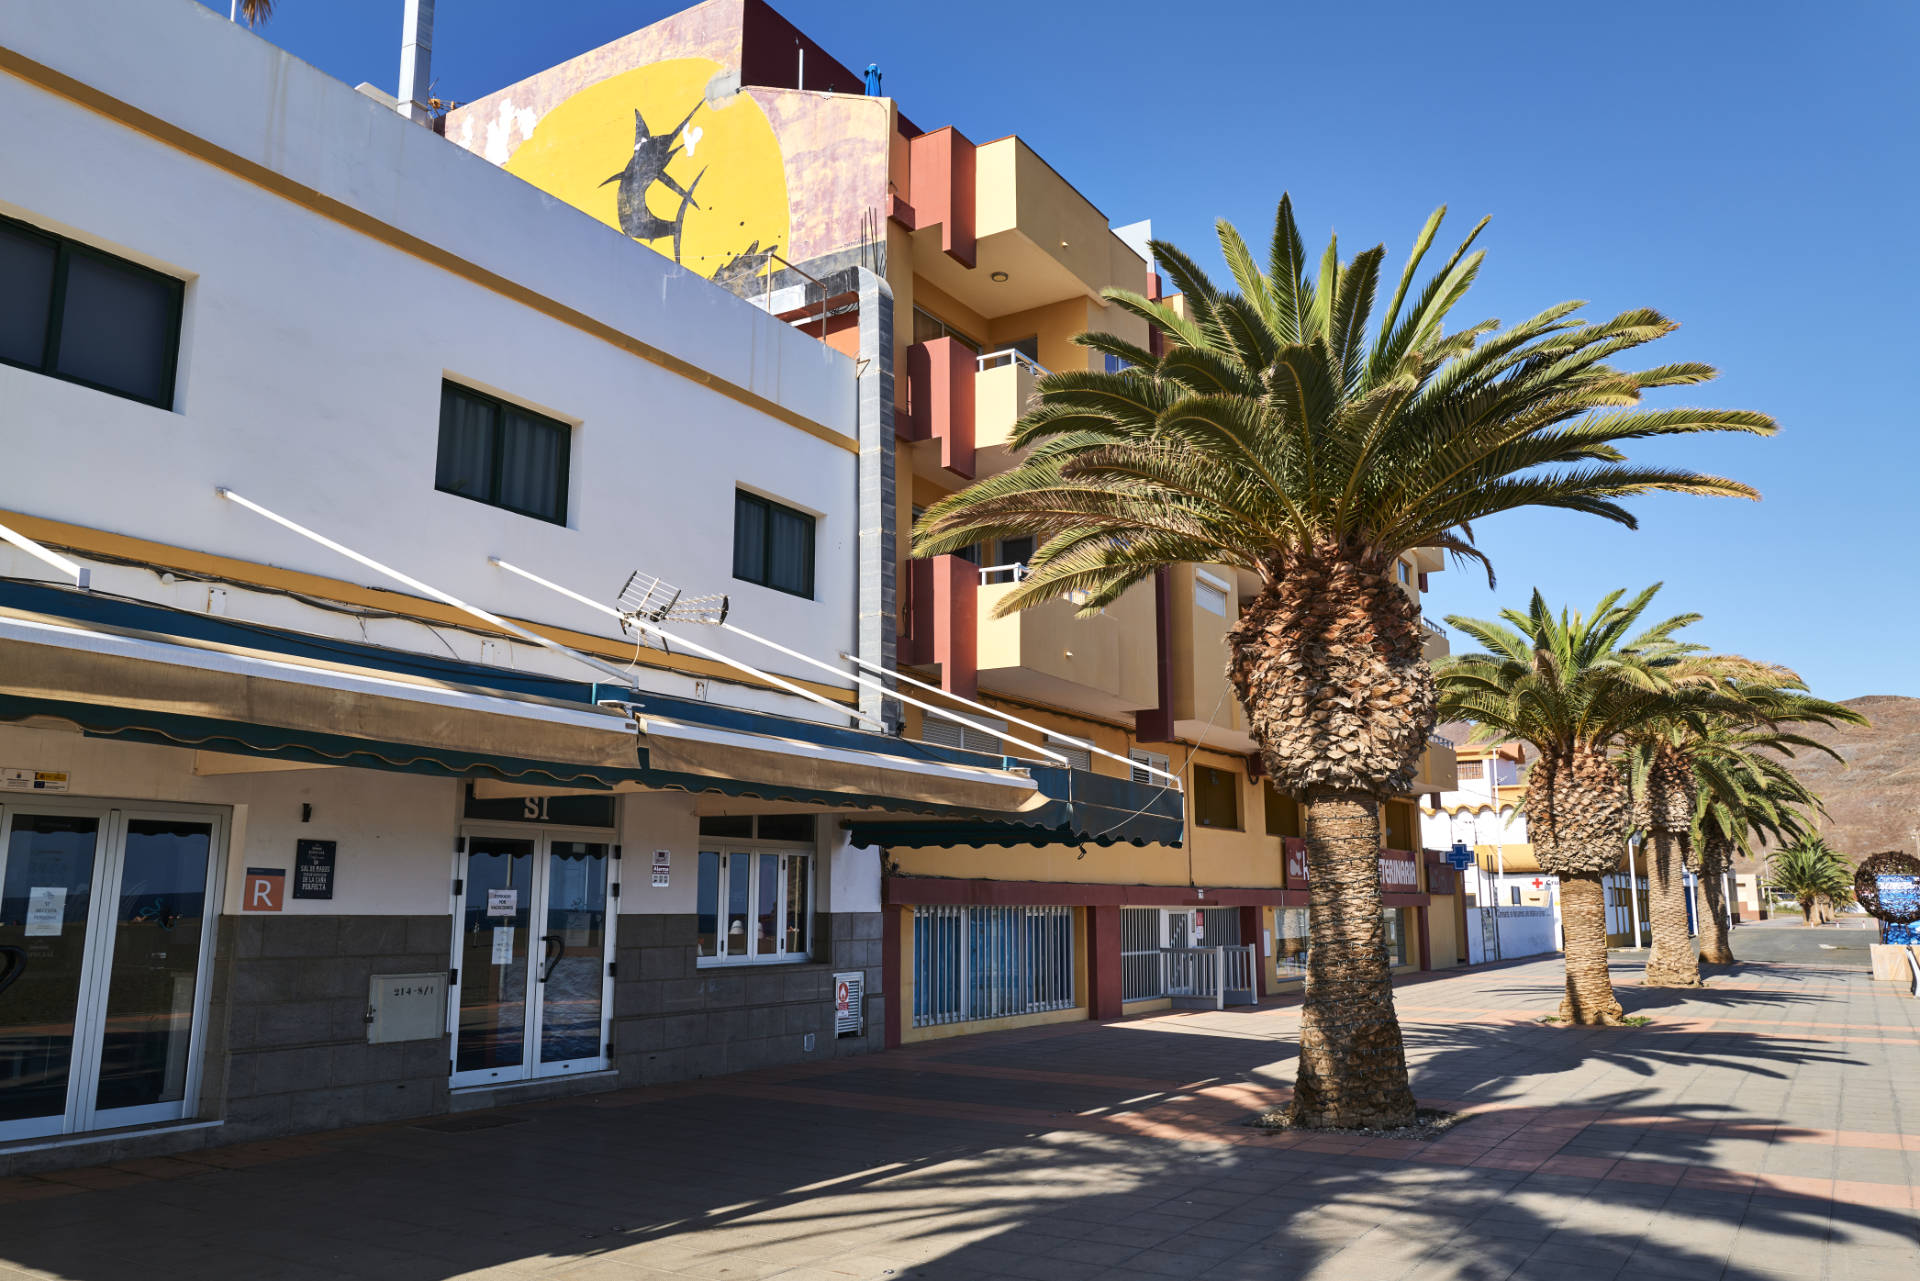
[[1083, 808], [138, 671]]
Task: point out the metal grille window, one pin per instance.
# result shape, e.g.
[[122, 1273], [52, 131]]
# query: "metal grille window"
[[990, 962], [1142, 977]]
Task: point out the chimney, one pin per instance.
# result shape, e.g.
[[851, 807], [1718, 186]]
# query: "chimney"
[[416, 61]]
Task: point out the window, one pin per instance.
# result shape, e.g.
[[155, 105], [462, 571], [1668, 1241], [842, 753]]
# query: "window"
[[990, 962], [1515, 890], [1216, 798], [1290, 942], [1154, 760], [1470, 770], [927, 327], [502, 455], [1406, 576], [1014, 551], [1142, 972], [751, 906], [1115, 365], [948, 734], [1077, 757], [74, 313], [1209, 593], [1394, 921], [1283, 813], [772, 545]]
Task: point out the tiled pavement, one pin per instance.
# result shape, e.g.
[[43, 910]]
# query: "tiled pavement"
[[1766, 1127]]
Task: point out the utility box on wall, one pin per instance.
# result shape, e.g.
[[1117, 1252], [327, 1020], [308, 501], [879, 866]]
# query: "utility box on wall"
[[849, 1003], [406, 1007]]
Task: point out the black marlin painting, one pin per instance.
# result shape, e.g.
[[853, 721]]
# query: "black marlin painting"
[[651, 154]]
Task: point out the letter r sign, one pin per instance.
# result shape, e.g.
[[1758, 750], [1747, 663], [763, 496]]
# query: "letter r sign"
[[263, 889]]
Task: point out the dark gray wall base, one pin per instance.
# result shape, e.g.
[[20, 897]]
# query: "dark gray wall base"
[[291, 999], [674, 1021]]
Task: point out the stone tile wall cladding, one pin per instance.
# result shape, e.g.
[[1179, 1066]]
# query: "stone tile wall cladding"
[[286, 1036], [295, 1005], [673, 1020]]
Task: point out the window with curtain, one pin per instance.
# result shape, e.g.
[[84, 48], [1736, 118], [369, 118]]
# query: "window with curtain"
[[502, 455], [74, 313], [772, 545]]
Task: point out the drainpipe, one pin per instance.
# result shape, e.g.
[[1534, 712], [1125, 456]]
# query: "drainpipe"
[[416, 61]]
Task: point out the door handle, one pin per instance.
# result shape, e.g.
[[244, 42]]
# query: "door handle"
[[16, 959], [556, 947]]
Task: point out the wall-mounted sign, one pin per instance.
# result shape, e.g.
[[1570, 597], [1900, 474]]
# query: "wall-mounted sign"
[[662, 868], [263, 889], [313, 869], [562, 811], [1399, 873], [849, 1003], [503, 945], [503, 902], [32, 780], [1440, 878], [1296, 863]]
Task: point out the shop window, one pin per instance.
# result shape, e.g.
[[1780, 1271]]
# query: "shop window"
[[751, 906], [772, 545], [766, 827], [1285, 816], [1290, 940], [1394, 930], [502, 455], [1216, 798], [71, 312]]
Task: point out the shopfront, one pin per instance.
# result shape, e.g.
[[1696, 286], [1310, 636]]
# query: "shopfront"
[[105, 930]]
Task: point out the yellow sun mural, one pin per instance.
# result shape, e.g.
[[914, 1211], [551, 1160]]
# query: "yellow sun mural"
[[647, 154]]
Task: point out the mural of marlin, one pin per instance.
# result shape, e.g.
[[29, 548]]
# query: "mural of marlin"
[[652, 152]]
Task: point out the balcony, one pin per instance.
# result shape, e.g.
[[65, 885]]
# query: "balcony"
[[1004, 387], [1437, 644], [1106, 665]]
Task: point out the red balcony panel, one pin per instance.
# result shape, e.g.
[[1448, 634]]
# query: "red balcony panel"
[[943, 621], [942, 168], [940, 401]]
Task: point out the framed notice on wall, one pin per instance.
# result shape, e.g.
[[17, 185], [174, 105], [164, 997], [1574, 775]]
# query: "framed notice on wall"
[[313, 869]]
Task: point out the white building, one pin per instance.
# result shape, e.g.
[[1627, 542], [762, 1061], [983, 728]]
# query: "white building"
[[289, 842]]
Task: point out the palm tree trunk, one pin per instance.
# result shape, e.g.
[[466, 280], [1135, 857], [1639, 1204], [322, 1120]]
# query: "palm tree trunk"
[[1716, 943], [1671, 961], [1353, 1065], [1583, 918]]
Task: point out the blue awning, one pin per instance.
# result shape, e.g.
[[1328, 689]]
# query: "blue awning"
[[134, 670]]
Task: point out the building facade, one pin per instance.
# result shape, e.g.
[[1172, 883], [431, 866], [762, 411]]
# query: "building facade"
[[762, 161], [355, 767]]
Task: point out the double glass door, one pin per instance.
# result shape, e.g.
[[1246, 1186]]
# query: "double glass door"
[[531, 956], [104, 932]]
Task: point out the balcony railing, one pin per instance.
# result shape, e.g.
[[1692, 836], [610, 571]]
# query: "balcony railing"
[[1438, 741], [1014, 573], [1009, 356]]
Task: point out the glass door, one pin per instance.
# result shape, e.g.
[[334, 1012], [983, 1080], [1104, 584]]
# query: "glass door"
[[531, 957], [46, 891], [103, 932]]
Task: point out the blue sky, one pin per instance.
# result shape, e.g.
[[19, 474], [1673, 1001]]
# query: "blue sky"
[[1750, 170]]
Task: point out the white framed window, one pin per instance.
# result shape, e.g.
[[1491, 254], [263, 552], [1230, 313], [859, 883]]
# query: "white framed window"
[[1210, 593], [753, 905], [990, 962], [1152, 760], [945, 733]]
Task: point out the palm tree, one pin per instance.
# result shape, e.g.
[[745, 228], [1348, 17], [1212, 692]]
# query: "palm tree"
[[1810, 871], [1286, 434], [1740, 796], [1575, 686], [1665, 763], [255, 11]]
